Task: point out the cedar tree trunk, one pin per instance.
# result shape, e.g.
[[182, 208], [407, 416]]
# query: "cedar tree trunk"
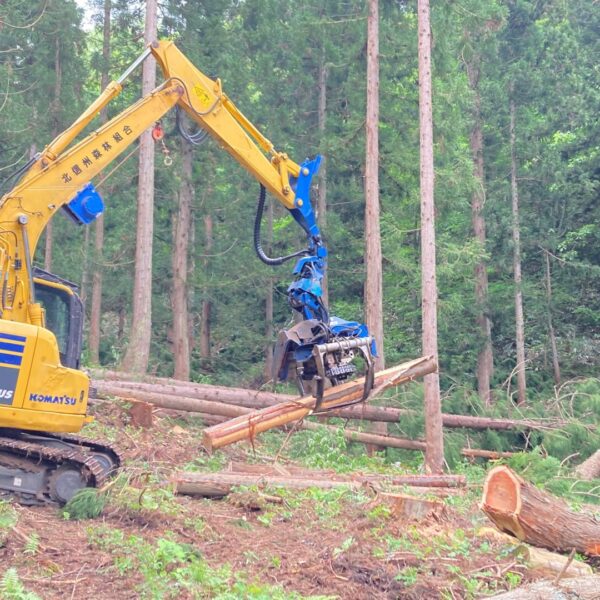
[[138, 349], [434, 456]]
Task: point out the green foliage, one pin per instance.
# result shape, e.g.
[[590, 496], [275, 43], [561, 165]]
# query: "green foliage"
[[542, 56], [11, 587], [87, 503], [8, 519], [170, 569]]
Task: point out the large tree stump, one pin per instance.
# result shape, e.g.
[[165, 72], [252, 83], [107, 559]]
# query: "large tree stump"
[[524, 511]]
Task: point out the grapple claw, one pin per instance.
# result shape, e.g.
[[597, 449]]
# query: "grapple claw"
[[329, 361]]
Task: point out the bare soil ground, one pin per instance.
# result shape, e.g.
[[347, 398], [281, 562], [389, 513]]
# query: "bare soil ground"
[[336, 545]]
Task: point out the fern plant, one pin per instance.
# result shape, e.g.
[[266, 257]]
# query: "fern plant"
[[11, 587]]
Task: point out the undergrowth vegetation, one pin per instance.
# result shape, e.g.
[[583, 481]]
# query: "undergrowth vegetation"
[[170, 569]]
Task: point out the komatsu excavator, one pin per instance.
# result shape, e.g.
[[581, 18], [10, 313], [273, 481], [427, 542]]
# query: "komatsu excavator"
[[43, 394]]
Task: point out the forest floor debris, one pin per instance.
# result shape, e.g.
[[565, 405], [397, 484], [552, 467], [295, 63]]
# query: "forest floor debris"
[[268, 543]]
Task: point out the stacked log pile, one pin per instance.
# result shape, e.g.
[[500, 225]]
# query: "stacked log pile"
[[236, 414]]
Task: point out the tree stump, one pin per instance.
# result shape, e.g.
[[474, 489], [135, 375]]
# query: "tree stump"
[[141, 414], [536, 517]]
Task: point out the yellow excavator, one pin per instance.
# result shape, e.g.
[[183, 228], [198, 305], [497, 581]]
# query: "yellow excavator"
[[43, 394]]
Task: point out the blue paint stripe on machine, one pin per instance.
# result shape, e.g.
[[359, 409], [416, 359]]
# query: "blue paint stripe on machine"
[[10, 359], [20, 348], [11, 336]]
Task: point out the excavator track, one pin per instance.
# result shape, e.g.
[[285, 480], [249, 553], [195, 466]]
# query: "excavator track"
[[48, 468]]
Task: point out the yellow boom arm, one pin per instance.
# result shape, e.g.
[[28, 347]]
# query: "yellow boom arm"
[[61, 172]]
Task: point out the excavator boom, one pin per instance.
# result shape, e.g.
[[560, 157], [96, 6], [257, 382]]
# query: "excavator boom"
[[41, 388]]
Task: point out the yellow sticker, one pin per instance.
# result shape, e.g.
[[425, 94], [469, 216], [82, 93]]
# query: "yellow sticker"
[[202, 95]]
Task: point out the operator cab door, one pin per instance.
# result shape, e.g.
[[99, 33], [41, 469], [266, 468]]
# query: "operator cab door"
[[63, 314]]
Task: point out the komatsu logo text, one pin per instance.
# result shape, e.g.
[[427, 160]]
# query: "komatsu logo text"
[[52, 399]]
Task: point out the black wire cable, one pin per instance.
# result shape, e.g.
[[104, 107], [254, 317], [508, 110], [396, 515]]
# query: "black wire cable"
[[4, 183], [273, 262], [193, 138]]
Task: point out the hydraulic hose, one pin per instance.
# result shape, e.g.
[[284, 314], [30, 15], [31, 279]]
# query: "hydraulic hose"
[[273, 262], [193, 138]]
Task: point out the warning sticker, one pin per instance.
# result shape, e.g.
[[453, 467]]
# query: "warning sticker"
[[202, 95]]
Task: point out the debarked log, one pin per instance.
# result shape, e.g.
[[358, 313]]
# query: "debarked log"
[[221, 483], [531, 515], [574, 588], [248, 426], [167, 389]]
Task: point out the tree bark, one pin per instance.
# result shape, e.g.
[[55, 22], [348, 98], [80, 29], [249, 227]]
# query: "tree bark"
[[138, 350], [56, 127], [434, 457], [518, 279], [125, 383], [221, 483], [322, 187], [485, 357], [551, 333], [248, 426], [531, 515], [206, 305], [96, 304], [373, 256], [181, 247], [373, 264], [269, 330]]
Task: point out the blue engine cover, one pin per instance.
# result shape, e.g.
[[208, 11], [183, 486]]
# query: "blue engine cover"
[[86, 206]]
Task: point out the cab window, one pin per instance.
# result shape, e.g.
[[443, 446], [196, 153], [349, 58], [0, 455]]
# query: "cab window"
[[57, 306]]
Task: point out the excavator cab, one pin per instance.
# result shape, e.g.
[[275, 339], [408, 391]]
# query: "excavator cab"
[[64, 314]]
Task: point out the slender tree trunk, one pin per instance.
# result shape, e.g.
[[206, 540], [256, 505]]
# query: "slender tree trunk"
[[516, 235], [434, 455], [485, 357], [138, 349], [179, 294], [551, 333], [322, 188], [206, 305], [373, 257], [55, 129], [85, 273], [96, 305], [374, 277], [269, 304]]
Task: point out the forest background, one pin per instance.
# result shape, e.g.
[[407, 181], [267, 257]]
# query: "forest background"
[[517, 142]]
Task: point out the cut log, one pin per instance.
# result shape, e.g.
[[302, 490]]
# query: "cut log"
[[384, 441], [171, 401], [220, 484], [247, 427], [548, 563], [213, 485], [302, 472], [577, 588], [590, 468], [213, 413], [520, 509], [260, 399], [542, 561]]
